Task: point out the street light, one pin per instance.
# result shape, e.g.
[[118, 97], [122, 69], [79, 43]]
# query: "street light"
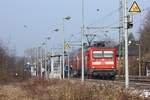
[[46, 54], [39, 60], [56, 30], [52, 62], [45, 50], [65, 18]]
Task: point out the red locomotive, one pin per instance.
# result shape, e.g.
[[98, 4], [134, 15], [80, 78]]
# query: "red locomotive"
[[98, 61]]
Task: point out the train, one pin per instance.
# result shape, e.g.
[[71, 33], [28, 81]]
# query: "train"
[[98, 62]]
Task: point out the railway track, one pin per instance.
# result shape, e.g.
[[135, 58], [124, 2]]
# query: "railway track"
[[134, 81], [137, 79], [138, 86], [138, 83]]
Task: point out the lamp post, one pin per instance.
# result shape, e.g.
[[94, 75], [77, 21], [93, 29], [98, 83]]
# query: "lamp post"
[[46, 54], [63, 49], [44, 44], [37, 62], [39, 53], [51, 48], [46, 62]]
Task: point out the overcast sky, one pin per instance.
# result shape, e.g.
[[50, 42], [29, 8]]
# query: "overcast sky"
[[26, 23]]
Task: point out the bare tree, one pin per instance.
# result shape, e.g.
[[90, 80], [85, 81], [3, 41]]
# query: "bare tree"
[[145, 36], [9, 65], [145, 40]]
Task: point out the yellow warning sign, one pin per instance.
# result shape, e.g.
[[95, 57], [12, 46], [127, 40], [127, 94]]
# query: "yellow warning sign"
[[66, 45], [134, 7]]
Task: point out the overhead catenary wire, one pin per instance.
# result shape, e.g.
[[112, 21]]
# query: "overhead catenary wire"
[[105, 17], [96, 22], [105, 29]]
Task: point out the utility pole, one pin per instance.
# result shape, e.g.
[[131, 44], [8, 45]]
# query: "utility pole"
[[126, 43], [82, 34], [121, 40], [63, 50]]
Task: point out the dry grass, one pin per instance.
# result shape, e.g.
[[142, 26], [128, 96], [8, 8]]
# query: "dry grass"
[[41, 89], [11, 92]]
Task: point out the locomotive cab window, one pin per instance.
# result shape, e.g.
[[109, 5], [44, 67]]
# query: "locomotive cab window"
[[108, 54], [97, 54], [101, 54]]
